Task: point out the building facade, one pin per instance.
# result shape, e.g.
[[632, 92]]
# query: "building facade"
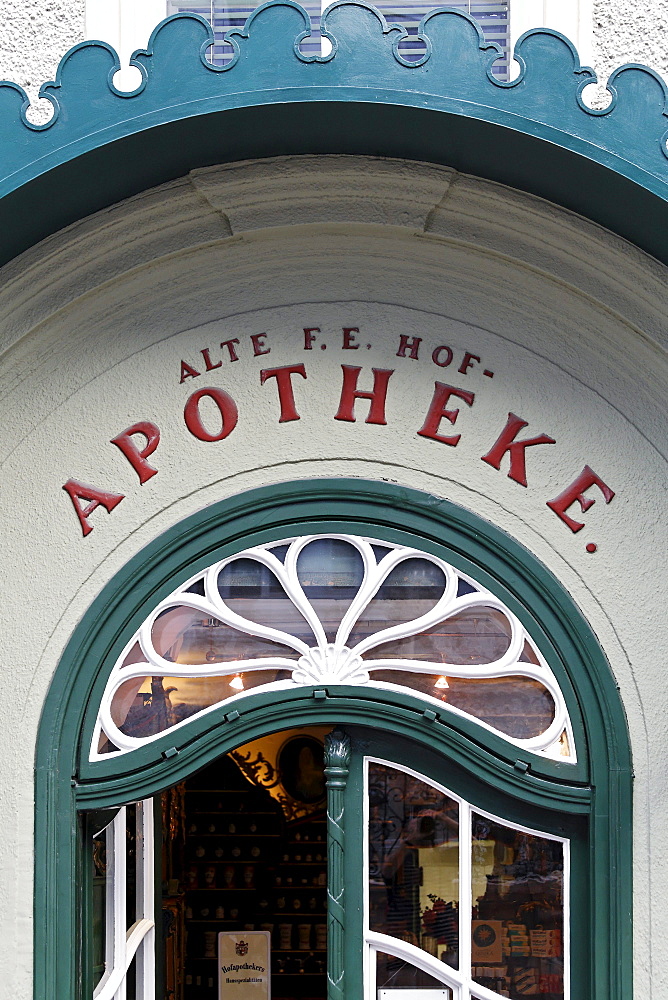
[[334, 471]]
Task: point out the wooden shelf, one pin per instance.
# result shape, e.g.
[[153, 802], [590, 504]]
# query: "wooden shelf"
[[219, 888]]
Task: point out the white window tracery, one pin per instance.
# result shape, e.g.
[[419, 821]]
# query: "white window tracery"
[[327, 610]]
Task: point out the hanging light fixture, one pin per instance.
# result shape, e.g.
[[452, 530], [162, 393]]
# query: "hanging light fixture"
[[441, 683], [237, 682]]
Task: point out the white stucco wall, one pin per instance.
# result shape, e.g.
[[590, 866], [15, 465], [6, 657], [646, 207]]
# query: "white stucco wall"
[[35, 34], [96, 321], [630, 32]]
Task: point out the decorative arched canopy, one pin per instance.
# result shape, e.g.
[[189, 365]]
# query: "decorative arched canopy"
[[534, 133]]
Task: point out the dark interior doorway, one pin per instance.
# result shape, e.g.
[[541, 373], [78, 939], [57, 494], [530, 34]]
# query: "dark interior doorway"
[[245, 868]]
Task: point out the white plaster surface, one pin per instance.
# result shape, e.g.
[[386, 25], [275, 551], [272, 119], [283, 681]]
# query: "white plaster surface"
[[630, 32], [96, 320], [34, 35]]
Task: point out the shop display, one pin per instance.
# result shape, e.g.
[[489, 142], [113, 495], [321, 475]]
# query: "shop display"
[[517, 927], [414, 863], [246, 868]]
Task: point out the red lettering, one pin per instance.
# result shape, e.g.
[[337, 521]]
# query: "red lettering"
[[438, 412], [187, 371], [229, 344], [259, 346], [468, 362], [377, 396], [226, 407], [409, 344], [96, 498], [308, 336], [135, 457], [576, 492], [207, 360], [349, 343], [436, 356], [286, 396], [506, 443]]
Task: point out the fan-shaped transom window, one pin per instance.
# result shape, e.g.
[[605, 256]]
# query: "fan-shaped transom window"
[[330, 610]]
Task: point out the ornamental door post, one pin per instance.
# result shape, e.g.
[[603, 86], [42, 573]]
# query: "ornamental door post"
[[337, 762]]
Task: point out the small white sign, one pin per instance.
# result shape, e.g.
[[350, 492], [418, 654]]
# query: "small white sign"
[[244, 965]]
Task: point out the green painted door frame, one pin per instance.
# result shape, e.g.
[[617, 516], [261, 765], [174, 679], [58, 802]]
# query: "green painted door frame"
[[591, 799]]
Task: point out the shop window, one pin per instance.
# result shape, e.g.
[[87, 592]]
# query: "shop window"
[[451, 891], [459, 898], [333, 609]]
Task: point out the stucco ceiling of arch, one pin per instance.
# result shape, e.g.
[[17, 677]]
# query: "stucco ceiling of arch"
[[269, 233], [223, 205]]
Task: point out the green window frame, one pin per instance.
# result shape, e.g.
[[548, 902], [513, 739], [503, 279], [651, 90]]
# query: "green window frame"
[[590, 800]]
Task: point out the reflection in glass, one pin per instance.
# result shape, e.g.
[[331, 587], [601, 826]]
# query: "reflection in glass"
[[396, 974], [518, 911], [410, 590], [413, 862], [517, 706], [476, 635], [99, 902], [160, 702], [183, 635], [251, 590], [330, 572]]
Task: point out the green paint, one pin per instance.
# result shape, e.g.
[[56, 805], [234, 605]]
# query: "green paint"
[[592, 799], [535, 133], [337, 763]]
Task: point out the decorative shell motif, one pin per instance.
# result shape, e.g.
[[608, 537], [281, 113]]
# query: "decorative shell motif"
[[326, 660]]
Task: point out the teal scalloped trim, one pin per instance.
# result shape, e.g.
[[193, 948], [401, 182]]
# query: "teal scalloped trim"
[[267, 66], [365, 98]]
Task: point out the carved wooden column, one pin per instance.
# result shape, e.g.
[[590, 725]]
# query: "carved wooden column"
[[337, 760]]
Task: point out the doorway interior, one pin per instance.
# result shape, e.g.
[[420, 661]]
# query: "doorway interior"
[[245, 857]]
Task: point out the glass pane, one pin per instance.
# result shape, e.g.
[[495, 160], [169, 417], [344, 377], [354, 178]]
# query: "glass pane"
[[252, 591], [517, 706], [161, 702], [396, 974], [99, 904], [518, 911], [183, 635], [131, 983], [131, 816], [413, 862], [412, 589], [330, 572], [477, 635]]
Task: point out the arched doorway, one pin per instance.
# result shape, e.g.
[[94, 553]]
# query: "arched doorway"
[[510, 785]]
